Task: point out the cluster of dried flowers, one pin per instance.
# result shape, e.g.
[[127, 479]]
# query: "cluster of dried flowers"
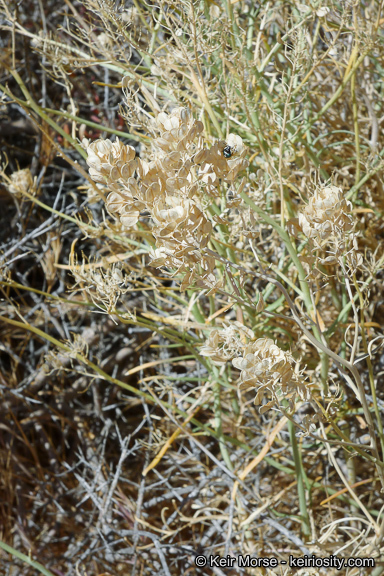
[[262, 364], [171, 188], [19, 182], [226, 344], [328, 224], [103, 286], [327, 213], [60, 359]]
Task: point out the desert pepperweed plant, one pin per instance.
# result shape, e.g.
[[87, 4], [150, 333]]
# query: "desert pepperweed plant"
[[191, 274]]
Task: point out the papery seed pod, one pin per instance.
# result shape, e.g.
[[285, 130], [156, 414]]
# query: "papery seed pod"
[[169, 162], [235, 142], [327, 212], [172, 210], [263, 362], [177, 183], [223, 345], [115, 202], [201, 156], [178, 130], [110, 161], [20, 181], [129, 216]]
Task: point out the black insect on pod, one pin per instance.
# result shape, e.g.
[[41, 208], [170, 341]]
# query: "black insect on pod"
[[228, 151]]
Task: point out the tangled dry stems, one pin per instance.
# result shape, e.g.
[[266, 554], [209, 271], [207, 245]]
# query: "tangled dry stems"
[[140, 321]]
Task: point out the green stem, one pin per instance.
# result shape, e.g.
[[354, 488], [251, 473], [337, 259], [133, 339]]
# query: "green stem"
[[27, 559], [300, 475], [356, 125]]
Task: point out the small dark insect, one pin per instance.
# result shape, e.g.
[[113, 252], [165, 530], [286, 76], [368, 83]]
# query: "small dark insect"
[[228, 151]]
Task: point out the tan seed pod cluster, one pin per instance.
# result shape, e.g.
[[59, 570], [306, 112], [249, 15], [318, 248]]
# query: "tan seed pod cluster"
[[328, 224], [182, 232], [327, 213], [178, 130], [170, 187], [113, 164], [263, 361], [226, 344], [265, 366], [110, 161]]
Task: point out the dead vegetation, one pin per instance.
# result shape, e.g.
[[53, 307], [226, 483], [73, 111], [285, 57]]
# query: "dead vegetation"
[[191, 274]]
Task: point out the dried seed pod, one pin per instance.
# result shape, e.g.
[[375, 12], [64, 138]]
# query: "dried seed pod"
[[223, 345], [326, 213], [110, 161], [266, 367], [20, 181], [178, 130]]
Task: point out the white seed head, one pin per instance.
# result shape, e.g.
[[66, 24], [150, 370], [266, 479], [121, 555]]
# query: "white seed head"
[[326, 213], [20, 181]]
